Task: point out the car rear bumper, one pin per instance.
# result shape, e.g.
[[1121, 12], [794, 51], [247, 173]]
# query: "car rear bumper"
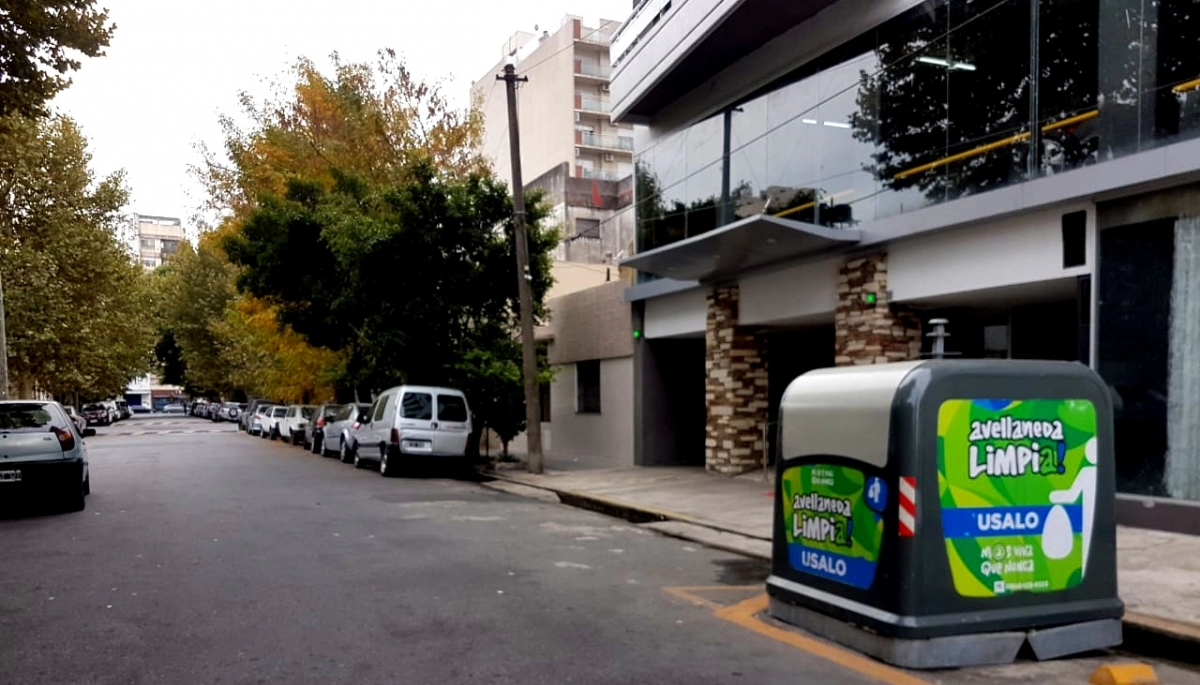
[[40, 478]]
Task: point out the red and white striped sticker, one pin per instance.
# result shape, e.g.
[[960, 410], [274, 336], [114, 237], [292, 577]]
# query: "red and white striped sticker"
[[908, 506]]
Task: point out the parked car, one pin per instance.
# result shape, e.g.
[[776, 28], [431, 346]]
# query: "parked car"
[[337, 439], [409, 422], [122, 410], [76, 418], [139, 409], [229, 411], [243, 419], [294, 423], [349, 446], [114, 414], [259, 419], [44, 453], [270, 421], [314, 432], [97, 414], [173, 409]]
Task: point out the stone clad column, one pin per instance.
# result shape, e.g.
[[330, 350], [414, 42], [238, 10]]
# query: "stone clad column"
[[869, 330], [735, 388]]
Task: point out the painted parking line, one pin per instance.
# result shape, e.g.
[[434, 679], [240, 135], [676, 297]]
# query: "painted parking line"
[[744, 614]]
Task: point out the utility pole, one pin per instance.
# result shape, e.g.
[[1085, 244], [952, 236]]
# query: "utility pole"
[[3, 348], [533, 408]]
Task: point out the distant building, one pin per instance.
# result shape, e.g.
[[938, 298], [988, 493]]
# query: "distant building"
[[570, 148], [158, 239]]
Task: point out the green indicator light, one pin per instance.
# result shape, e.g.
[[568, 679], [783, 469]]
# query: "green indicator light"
[[637, 333], [869, 298]]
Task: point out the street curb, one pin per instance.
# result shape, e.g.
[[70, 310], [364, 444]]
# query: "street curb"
[[631, 512], [1142, 633], [1156, 636]]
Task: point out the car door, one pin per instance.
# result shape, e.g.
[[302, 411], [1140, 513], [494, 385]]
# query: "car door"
[[452, 426], [416, 421], [381, 426]]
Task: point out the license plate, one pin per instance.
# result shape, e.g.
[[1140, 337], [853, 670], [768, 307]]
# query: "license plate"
[[417, 445], [10, 476]]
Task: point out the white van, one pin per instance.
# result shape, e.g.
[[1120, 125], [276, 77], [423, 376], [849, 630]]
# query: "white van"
[[414, 421]]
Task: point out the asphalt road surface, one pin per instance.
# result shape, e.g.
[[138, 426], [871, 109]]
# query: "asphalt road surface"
[[212, 557]]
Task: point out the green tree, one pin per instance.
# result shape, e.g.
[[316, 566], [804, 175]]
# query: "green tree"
[[79, 311], [38, 42]]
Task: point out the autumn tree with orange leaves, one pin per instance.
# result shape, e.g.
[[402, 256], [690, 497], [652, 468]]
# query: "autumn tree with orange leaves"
[[368, 241]]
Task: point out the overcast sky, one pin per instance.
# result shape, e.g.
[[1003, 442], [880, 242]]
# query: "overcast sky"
[[174, 66]]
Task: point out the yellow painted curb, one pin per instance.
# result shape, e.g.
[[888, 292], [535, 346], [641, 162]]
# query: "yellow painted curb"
[[1124, 674]]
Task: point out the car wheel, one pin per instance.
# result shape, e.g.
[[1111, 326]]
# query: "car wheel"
[[359, 462], [384, 469], [347, 455]]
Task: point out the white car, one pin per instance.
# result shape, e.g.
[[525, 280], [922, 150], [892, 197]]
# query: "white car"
[[291, 427], [269, 422], [411, 422]]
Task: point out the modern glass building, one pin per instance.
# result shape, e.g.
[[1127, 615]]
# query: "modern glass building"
[[813, 189]]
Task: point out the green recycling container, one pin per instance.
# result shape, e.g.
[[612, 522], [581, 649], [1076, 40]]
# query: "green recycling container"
[[947, 512]]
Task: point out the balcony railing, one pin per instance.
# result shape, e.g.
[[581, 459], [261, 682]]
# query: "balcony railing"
[[601, 174], [591, 104], [592, 69], [607, 142]]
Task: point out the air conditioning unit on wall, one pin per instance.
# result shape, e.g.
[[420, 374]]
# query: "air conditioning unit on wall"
[[609, 157]]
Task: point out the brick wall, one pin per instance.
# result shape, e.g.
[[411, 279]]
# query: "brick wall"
[[871, 332], [735, 388]]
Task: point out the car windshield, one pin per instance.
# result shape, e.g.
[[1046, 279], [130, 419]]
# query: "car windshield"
[[24, 418], [307, 411], [279, 412]]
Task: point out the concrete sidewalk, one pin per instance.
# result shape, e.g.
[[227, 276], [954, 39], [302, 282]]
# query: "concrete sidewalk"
[[1158, 573]]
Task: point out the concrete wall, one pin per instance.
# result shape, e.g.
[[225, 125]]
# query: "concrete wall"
[[599, 440], [678, 314], [799, 294], [591, 324], [1005, 252]]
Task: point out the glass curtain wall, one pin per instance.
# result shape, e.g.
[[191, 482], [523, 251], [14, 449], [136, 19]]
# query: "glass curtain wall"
[[950, 99]]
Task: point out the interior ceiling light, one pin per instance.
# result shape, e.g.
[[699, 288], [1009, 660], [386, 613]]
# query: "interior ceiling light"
[[964, 66], [837, 124], [810, 122]]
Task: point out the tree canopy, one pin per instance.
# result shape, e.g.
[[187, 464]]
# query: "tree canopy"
[[40, 43], [365, 241], [78, 309]]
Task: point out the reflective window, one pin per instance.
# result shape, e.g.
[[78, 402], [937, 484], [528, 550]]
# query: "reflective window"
[[451, 408], [950, 99], [417, 405]]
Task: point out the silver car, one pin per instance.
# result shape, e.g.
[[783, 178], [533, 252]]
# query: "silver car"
[[411, 422], [42, 454]]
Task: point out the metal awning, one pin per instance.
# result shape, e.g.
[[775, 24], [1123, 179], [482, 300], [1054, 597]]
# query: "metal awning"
[[738, 247]]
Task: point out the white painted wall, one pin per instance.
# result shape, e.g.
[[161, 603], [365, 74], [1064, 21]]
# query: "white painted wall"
[[676, 314], [794, 294], [604, 439], [1004, 252]]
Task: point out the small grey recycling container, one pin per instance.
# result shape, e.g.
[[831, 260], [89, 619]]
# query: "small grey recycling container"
[[944, 513]]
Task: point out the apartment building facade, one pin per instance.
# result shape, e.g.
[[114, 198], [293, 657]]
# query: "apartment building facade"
[[570, 147], [158, 239], [814, 190]]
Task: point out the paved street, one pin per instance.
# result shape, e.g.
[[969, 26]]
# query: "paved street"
[[215, 557], [212, 557]]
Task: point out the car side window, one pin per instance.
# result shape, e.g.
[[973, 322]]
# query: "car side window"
[[380, 406]]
